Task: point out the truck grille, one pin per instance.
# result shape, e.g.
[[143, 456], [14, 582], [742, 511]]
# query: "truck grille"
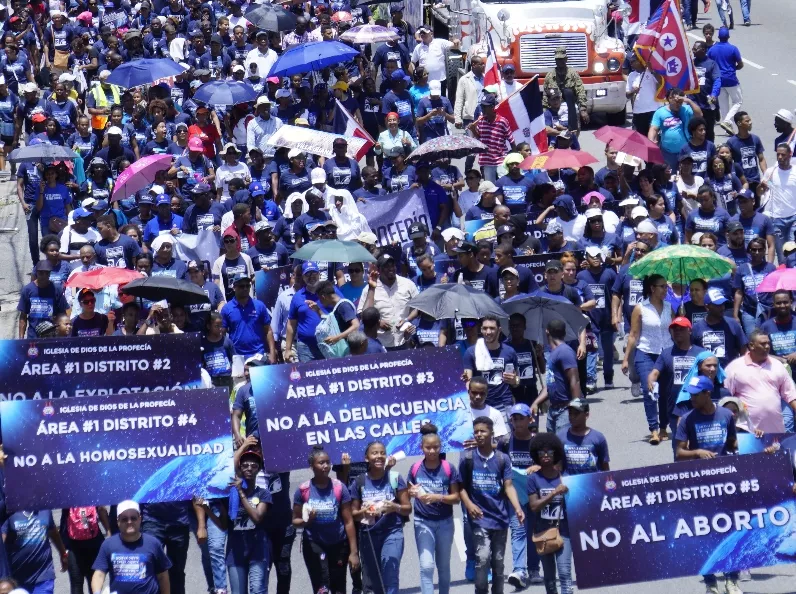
[[537, 51]]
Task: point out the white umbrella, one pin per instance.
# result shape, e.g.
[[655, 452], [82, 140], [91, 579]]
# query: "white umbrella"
[[369, 34]]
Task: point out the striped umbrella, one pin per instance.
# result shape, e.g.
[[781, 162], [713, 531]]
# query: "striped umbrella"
[[369, 34]]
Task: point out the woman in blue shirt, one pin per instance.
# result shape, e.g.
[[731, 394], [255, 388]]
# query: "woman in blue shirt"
[[83, 141], [50, 246], [52, 133], [667, 232], [329, 543], [62, 109], [399, 176], [381, 501], [8, 128], [708, 218], [55, 200], [217, 352], [15, 67], [664, 186], [750, 306], [725, 184]]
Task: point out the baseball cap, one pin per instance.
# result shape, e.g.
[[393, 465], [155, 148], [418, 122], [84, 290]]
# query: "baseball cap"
[[745, 195], [451, 232], [263, 100], [646, 226], [629, 201], [488, 99], [293, 153], [263, 225], [733, 226], [553, 227], [309, 267], [510, 270], [30, 87], [44, 327], [256, 189], [240, 276], [115, 130], [594, 251], [162, 199], [467, 247], [193, 265], [488, 186], [127, 505], [435, 88], [81, 213], [195, 84], [592, 213], [681, 321], [201, 188], [715, 296], [318, 176], [509, 68], [503, 229], [417, 230], [146, 199], [341, 85], [561, 52], [520, 409], [156, 189], [724, 33], [216, 39], [196, 144], [398, 74], [37, 118], [100, 206], [368, 238], [639, 211], [698, 384], [280, 93], [554, 265], [238, 68], [579, 404], [229, 147], [685, 157]]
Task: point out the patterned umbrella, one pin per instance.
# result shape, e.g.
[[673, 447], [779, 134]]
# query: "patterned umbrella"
[[369, 34], [682, 263], [446, 147]]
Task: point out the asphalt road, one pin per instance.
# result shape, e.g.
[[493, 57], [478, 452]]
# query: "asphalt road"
[[769, 84]]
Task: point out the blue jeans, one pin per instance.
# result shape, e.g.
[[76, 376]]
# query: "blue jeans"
[[784, 230], [606, 351], [746, 7], [380, 555], [562, 560], [557, 419], [524, 557], [725, 18], [787, 418], [490, 549], [644, 363], [710, 579], [306, 352], [249, 579], [467, 530], [748, 322], [214, 554], [434, 540]]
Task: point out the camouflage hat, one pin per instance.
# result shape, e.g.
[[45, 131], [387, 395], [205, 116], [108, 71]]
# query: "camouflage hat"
[[561, 52]]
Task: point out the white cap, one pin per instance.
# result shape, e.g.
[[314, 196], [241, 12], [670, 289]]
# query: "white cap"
[[435, 88], [368, 238], [294, 153], [157, 189], [127, 505], [594, 252], [646, 226], [629, 201], [55, 13], [785, 115], [66, 76], [318, 176], [104, 74], [238, 68], [115, 130], [451, 232], [30, 87], [262, 225], [88, 203], [263, 100], [696, 237], [639, 211], [593, 212]]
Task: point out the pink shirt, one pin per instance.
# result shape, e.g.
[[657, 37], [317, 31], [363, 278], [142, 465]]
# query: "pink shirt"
[[761, 388]]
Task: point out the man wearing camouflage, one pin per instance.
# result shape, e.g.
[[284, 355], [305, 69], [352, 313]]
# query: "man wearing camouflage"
[[571, 86]]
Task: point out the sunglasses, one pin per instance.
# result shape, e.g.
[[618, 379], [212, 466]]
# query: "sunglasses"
[[231, 240], [356, 270], [88, 301]]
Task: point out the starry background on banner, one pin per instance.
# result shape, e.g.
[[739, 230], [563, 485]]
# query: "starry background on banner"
[[103, 483], [182, 350], [287, 449], [715, 552]]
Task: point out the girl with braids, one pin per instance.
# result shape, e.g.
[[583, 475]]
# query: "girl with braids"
[[322, 506]]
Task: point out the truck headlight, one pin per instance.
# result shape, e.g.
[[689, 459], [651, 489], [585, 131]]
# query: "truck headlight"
[[614, 64], [599, 67]]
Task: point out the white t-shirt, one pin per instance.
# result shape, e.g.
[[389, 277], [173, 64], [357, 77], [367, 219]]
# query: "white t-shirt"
[[645, 100], [432, 57], [780, 199], [228, 172], [689, 204], [500, 428], [574, 228]]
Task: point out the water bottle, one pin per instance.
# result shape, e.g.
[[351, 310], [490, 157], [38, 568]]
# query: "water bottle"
[[655, 392]]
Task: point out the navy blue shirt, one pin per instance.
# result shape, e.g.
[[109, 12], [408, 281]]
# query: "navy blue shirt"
[[714, 222], [552, 514], [132, 567], [28, 546], [673, 366], [327, 528], [516, 193], [725, 339], [435, 482], [244, 400], [757, 226], [562, 358], [584, 453], [746, 279], [486, 490], [40, 304], [600, 286], [498, 393], [120, 253], [266, 259], [713, 432], [745, 152]]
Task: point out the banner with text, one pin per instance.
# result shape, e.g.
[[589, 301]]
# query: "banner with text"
[[693, 518], [269, 284], [536, 263], [343, 404], [164, 446], [391, 215], [97, 365], [769, 442]]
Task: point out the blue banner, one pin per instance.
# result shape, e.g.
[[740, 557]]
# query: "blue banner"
[[92, 366], [269, 284], [344, 404], [391, 215], [688, 518], [164, 446], [769, 442]]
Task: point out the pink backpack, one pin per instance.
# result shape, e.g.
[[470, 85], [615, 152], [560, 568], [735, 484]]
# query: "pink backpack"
[[337, 487]]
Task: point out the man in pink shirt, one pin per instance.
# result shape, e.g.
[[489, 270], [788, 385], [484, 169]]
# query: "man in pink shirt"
[[762, 383]]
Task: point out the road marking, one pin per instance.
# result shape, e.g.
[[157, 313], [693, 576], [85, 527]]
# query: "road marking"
[[753, 64], [793, 82], [695, 36], [458, 539]]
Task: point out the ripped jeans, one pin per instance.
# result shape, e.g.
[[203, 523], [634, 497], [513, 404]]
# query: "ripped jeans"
[[490, 550]]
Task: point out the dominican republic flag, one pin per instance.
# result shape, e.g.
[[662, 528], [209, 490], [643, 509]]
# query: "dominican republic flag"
[[491, 69], [640, 13], [663, 48], [352, 128], [523, 109]]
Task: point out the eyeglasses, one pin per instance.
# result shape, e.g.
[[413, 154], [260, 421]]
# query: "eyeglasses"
[[249, 465], [88, 301], [356, 270]]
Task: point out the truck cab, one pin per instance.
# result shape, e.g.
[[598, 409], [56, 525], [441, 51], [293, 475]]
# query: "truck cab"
[[527, 33]]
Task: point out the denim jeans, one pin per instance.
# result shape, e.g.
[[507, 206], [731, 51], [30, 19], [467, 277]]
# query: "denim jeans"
[[784, 231], [467, 531], [249, 579], [434, 540], [644, 363], [748, 322], [787, 418], [523, 552], [606, 351], [490, 548], [561, 560], [490, 172], [214, 554], [174, 539], [380, 555], [746, 8], [726, 19], [710, 579], [307, 352], [557, 419]]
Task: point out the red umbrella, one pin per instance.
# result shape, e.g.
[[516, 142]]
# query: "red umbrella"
[[630, 142], [341, 16], [99, 278], [558, 159]]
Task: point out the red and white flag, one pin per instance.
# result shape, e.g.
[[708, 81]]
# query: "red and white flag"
[[353, 128], [492, 69], [523, 109]]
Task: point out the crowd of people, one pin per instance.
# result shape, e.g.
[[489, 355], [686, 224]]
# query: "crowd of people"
[[713, 352]]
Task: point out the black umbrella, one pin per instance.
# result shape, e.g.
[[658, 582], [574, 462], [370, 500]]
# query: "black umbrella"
[[174, 290], [42, 153], [453, 300], [271, 17]]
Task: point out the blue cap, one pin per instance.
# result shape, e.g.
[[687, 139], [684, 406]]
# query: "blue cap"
[[146, 199], [81, 213], [699, 383], [162, 199], [35, 141], [724, 33], [715, 296], [488, 99], [745, 194], [520, 409], [239, 276], [398, 74], [101, 205], [396, 7], [199, 189], [309, 267], [256, 189]]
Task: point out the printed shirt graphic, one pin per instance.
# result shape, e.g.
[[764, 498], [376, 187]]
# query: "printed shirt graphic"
[[682, 365], [375, 492], [327, 527], [486, 491], [714, 341], [553, 514], [584, 453], [707, 432], [129, 567]]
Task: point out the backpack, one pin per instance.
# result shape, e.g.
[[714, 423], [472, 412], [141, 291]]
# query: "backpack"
[[337, 487], [446, 468], [82, 523], [467, 470], [327, 327]]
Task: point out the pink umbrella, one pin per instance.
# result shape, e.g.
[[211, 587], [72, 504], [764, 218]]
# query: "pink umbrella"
[[139, 175], [782, 279]]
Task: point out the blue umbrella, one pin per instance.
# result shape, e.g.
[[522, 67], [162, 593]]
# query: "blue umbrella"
[[315, 55], [232, 92], [143, 72], [42, 153]]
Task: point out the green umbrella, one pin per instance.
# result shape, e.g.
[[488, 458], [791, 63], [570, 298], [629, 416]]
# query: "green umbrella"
[[681, 264], [333, 250]]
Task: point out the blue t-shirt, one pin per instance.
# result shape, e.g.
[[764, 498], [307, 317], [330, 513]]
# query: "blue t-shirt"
[[55, 202], [745, 152], [725, 339], [726, 56], [715, 222], [120, 253], [200, 312], [247, 541], [673, 127], [783, 336], [499, 393], [600, 286], [561, 359], [486, 487], [343, 176], [157, 227], [552, 514], [700, 155], [726, 189], [40, 304], [28, 546], [266, 259], [246, 325], [630, 290], [327, 528], [434, 482], [436, 125], [673, 366], [757, 226], [381, 490], [217, 357], [132, 567], [395, 182], [584, 453], [307, 319], [747, 278], [174, 268], [738, 255], [710, 432], [244, 401], [516, 193]]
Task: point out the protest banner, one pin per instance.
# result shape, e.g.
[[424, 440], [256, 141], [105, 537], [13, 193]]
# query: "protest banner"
[[391, 215], [692, 518], [164, 446], [749, 444], [92, 366], [269, 284], [343, 404], [537, 262], [314, 142]]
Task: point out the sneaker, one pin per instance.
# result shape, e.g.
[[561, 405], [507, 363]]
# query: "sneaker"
[[518, 579], [635, 389], [591, 388], [745, 576], [727, 128], [469, 571], [732, 587], [711, 590], [609, 386], [655, 438], [536, 578], [747, 24]]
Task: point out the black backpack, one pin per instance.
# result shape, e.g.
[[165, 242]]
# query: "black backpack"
[[467, 470]]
